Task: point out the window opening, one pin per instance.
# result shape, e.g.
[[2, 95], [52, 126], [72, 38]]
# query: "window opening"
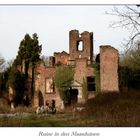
[[49, 85], [91, 83], [80, 46]]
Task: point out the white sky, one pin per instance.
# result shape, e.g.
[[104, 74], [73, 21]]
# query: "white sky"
[[52, 23]]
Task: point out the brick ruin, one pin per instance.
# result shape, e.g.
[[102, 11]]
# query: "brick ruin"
[[81, 45], [80, 56]]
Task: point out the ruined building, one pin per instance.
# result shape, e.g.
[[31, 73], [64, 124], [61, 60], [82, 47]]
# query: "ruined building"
[[80, 56]]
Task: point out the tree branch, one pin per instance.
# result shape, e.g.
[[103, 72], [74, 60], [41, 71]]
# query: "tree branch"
[[129, 18]]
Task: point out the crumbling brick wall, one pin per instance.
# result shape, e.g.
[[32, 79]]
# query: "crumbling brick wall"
[[109, 69], [82, 58], [43, 73], [61, 58], [82, 71], [86, 50]]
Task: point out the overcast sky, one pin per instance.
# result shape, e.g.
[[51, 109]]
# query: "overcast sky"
[[53, 23]]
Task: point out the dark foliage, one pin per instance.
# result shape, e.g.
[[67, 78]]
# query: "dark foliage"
[[29, 49], [17, 81], [129, 78]]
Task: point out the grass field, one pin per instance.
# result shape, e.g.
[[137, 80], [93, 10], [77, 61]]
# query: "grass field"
[[106, 110]]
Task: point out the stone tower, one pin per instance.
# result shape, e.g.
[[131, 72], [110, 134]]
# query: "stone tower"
[[81, 45]]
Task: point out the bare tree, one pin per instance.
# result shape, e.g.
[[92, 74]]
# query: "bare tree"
[[131, 59], [2, 60], [129, 18], [45, 60]]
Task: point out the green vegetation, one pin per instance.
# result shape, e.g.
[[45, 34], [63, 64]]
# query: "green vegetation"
[[129, 69], [110, 109], [131, 57], [29, 50], [17, 81], [129, 78], [97, 76], [85, 91], [63, 79], [28, 54]]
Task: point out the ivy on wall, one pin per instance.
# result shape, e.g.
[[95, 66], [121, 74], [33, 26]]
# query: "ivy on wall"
[[96, 67]]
